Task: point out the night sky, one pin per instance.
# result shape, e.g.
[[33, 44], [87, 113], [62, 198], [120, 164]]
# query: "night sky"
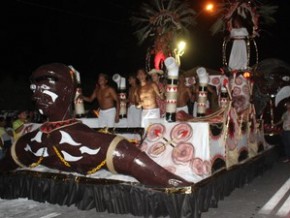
[[99, 38]]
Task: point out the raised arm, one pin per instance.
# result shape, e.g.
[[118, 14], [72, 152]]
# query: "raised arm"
[[92, 97]]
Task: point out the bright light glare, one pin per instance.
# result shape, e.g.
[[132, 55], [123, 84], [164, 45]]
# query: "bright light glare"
[[181, 46], [247, 74], [179, 51], [209, 7]]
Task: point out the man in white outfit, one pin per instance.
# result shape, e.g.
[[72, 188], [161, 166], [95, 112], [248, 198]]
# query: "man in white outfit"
[[108, 100], [133, 113], [146, 95]]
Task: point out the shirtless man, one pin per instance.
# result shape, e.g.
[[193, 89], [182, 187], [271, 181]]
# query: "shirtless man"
[[146, 95], [156, 77], [66, 144], [108, 100], [134, 113], [184, 95]]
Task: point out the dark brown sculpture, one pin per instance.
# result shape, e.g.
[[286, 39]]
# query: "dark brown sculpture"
[[66, 144]]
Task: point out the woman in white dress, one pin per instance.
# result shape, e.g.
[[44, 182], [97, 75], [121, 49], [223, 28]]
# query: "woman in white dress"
[[238, 56]]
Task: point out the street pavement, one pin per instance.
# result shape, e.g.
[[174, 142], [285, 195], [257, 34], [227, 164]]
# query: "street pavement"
[[264, 197], [267, 196]]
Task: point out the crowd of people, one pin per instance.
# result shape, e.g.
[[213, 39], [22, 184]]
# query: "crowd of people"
[[11, 125], [146, 95]]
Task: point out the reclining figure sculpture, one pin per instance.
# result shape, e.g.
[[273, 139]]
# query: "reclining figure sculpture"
[[66, 144]]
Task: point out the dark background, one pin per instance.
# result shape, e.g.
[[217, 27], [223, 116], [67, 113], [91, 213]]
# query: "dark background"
[[97, 36]]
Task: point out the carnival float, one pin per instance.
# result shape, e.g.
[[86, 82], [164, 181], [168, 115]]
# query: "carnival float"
[[177, 167]]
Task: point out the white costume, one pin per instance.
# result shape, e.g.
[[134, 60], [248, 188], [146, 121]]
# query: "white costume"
[[184, 108], [149, 114], [238, 57], [107, 117], [134, 116]]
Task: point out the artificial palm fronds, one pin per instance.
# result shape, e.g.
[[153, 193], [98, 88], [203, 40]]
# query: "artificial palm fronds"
[[266, 12], [158, 17]]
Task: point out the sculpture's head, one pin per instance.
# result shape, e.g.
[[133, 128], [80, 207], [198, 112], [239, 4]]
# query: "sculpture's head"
[[53, 90]]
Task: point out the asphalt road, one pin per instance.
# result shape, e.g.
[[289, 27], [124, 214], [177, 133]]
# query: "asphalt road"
[[267, 196]]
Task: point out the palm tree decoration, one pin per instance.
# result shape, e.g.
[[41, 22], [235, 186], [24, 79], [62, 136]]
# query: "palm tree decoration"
[[161, 22]]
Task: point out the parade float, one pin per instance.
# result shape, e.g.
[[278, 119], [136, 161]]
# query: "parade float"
[[177, 167]]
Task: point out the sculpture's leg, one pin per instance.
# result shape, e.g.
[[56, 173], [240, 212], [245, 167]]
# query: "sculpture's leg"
[[127, 159]]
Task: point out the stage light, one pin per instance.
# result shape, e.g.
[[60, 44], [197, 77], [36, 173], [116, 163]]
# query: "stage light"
[[179, 51], [181, 47], [209, 7], [247, 74]]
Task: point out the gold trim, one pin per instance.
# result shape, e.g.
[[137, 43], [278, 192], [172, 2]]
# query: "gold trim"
[[60, 157], [14, 155], [111, 149], [97, 167], [33, 165]]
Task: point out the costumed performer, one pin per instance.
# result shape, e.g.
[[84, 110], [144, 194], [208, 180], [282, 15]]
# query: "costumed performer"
[[239, 56], [146, 95], [108, 100], [134, 113], [156, 77], [184, 95]]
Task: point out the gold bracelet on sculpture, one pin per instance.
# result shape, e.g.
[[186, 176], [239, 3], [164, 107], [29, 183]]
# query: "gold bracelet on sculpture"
[[33, 165], [97, 167], [60, 157]]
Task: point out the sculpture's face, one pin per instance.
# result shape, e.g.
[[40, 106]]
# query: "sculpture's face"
[[53, 90]]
